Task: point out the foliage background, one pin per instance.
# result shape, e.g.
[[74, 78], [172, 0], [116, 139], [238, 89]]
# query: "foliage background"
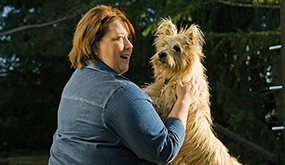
[[34, 66]]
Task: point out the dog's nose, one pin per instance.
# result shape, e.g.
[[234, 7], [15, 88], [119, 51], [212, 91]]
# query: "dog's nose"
[[162, 55]]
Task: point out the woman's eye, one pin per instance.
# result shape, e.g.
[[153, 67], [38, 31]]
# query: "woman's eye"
[[176, 48], [117, 38]]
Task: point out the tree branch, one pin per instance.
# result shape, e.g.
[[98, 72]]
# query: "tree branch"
[[249, 5], [27, 27]]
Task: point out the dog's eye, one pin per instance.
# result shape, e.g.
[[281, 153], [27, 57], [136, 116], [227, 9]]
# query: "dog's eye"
[[176, 48]]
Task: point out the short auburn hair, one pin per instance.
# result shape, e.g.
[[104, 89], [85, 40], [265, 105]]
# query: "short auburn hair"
[[89, 31]]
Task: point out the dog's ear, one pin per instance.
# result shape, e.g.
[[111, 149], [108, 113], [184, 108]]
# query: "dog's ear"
[[166, 27], [195, 34]]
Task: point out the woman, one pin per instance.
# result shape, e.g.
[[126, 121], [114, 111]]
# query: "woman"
[[103, 118]]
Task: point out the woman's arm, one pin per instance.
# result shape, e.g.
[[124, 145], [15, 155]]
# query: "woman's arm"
[[130, 116], [186, 95]]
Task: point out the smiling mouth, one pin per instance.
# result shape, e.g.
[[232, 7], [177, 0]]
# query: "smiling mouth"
[[124, 57]]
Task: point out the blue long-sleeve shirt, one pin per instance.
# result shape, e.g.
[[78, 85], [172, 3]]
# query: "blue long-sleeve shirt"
[[105, 119]]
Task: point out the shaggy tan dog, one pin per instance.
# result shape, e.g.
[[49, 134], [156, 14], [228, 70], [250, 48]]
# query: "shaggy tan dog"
[[179, 56]]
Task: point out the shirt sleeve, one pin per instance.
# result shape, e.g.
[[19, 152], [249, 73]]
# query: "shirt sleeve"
[[131, 117]]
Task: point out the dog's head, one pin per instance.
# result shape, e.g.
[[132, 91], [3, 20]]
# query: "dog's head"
[[176, 51]]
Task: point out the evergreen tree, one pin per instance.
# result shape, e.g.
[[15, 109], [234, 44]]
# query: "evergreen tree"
[[36, 38]]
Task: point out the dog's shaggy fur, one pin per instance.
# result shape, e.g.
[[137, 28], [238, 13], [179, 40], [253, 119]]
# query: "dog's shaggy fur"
[[179, 56]]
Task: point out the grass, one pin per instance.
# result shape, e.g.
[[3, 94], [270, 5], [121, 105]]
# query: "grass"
[[26, 160]]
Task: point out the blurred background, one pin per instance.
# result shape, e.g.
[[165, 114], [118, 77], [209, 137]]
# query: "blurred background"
[[36, 37]]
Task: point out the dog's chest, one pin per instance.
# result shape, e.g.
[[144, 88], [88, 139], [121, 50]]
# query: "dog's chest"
[[165, 102]]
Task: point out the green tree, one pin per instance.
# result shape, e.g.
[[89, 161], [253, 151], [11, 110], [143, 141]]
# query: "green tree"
[[34, 69], [34, 66]]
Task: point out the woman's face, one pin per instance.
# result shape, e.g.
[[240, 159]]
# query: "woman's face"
[[115, 48]]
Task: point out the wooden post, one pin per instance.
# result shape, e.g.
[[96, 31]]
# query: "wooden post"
[[268, 162], [255, 148], [282, 37], [241, 153]]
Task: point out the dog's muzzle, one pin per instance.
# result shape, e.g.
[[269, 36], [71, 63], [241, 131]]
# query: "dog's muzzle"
[[162, 57]]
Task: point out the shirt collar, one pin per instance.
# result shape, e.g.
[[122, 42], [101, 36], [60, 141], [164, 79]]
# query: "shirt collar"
[[101, 66]]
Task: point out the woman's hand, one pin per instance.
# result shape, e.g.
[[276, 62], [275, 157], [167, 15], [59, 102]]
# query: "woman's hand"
[[186, 95], [188, 92]]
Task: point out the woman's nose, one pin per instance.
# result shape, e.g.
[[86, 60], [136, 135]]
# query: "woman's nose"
[[128, 44]]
